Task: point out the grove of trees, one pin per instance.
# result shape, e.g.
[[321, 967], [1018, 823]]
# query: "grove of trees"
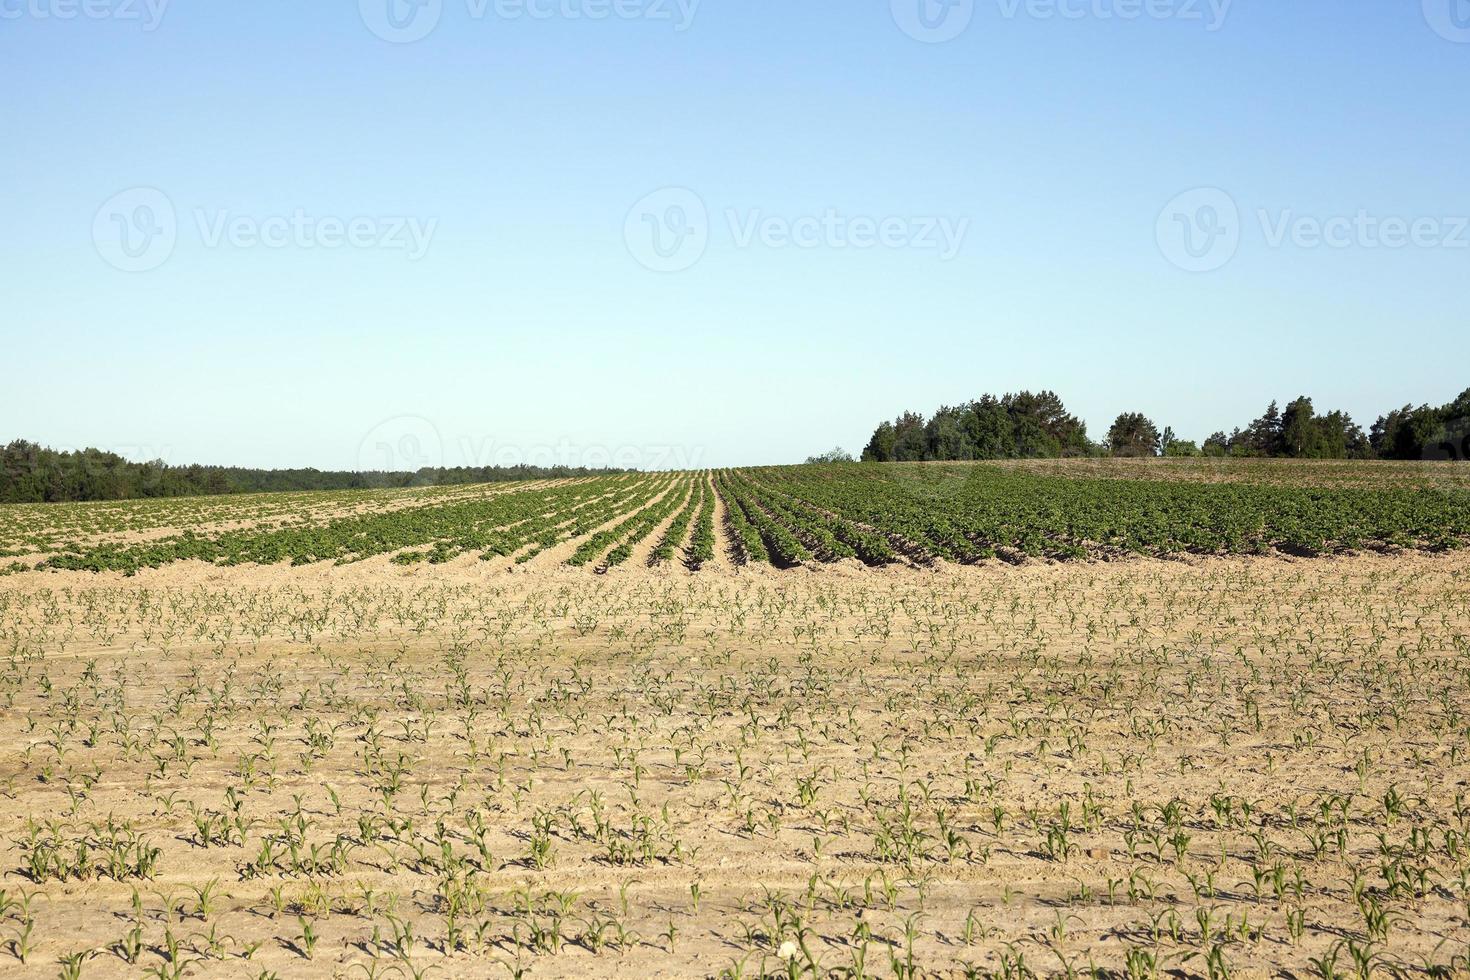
[[1298, 432], [1424, 432], [1038, 425], [30, 473], [1018, 425], [1134, 435]]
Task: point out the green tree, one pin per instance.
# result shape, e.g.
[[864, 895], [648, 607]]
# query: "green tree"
[[988, 426], [1424, 432], [881, 447], [946, 437], [1300, 435], [1133, 434], [910, 445], [1065, 433], [1181, 448], [1261, 438]]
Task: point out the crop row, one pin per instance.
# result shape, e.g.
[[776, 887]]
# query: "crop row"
[[971, 513], [489, 524], [629, 532], [702, 541], [785, 516], [542, 528], [762, 537], [569, 525], [830, 537], [678, 529]]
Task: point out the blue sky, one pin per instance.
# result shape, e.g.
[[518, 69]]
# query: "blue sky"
[[285, 234]]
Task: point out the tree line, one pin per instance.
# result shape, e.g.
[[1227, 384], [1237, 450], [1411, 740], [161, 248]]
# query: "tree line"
[[30, 473], [1019, 425], [1027, 425]]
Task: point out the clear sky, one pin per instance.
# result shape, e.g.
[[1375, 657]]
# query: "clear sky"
[[347, 234]]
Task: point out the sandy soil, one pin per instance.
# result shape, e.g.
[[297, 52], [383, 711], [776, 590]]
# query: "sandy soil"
[[1255, 766]]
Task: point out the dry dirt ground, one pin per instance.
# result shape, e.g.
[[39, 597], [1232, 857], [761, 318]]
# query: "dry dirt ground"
[[1248, 767]]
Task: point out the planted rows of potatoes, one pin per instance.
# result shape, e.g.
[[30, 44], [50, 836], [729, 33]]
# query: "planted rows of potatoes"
[[1121, 770], [878, 515]]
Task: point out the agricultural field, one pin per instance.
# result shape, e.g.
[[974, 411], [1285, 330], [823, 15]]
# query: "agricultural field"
[[927, 720], [914, 514]]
